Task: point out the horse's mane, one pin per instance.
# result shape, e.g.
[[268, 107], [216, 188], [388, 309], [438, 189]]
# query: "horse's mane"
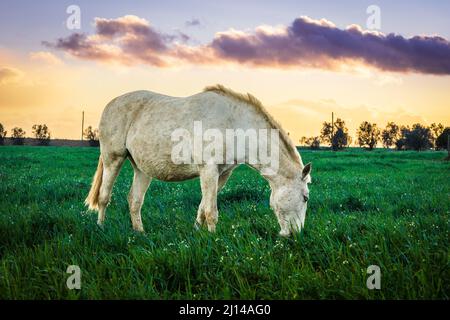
[[253, 101]]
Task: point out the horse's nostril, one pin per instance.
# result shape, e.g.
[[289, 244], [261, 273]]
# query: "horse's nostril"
[[305, 198]]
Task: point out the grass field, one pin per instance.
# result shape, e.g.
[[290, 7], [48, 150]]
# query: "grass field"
[[383, 208]]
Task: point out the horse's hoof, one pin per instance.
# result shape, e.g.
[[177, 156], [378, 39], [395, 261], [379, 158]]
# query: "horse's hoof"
[[138, 229], [197, 226], [284, 234]]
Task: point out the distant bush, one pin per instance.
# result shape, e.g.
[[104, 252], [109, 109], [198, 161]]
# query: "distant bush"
[[2, 134], [18, 136], [442, 139], [41, 132], [92, 136], [312, 142]]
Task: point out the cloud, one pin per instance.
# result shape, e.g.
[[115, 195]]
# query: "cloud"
[[9, 75], [45, 57], [305, 43], [126, 40], [192, 23], [320, 44]]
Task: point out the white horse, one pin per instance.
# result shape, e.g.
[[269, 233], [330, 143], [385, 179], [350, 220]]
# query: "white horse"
[[139, 126]]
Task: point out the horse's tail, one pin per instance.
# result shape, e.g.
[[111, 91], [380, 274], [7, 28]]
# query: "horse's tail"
[[92, 199]]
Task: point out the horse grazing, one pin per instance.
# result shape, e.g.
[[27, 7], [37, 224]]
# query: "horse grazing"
[[140, 126]]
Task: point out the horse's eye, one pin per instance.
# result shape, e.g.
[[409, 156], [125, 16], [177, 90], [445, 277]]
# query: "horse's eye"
[[305, 198]]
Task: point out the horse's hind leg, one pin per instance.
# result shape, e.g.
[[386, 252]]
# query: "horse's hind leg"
[[209, 177], [111, 168], [136, 197]]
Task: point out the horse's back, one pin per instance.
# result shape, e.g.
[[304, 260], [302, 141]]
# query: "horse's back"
[[141, 124], [149, 136], [118, 116], [128, 105]]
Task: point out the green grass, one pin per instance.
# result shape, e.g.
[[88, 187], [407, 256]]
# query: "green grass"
[[383, 208]]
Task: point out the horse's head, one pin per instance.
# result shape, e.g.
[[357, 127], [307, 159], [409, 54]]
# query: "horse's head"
[[290, 200]]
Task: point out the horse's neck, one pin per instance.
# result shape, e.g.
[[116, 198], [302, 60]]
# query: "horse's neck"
[[289, 165], [287, 170]]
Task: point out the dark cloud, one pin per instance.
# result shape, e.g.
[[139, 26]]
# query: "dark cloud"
[[192, 23], [126, 40], [136, 33], [313, 43], [304, 43], [77, 45]]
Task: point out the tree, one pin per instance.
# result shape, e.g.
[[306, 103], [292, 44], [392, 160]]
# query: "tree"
[[339, 142], [341, 139], [390, 134], [419, 138], [303, 141], [436, 131], [312, 142], [91, 135], [325, 133], [18, 135], [400, 143], [41, 132], [2, 134], [368, 135], [416, 138], [442, 139]]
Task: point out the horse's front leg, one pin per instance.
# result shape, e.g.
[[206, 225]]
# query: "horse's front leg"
[[201, 212], [200, 217], [207, 210]]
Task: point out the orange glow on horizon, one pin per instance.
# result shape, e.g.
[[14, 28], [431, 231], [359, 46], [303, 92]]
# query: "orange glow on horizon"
[[55, 90]]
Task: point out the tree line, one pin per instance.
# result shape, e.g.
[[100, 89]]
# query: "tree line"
[[42, 133], [416, 137], [336, 135]]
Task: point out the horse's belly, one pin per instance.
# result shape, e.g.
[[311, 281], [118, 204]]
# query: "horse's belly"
[[173, 172], [163, 168]]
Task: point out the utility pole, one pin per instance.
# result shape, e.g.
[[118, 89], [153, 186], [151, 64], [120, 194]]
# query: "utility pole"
[[82, 125]]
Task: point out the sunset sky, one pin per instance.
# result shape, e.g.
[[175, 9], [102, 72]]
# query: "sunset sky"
[[302, 59]]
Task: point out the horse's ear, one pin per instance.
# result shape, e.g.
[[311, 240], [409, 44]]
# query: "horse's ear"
[[306, 170]]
